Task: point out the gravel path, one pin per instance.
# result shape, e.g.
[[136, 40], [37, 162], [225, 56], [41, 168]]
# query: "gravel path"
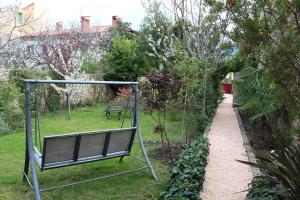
[[225, 178]]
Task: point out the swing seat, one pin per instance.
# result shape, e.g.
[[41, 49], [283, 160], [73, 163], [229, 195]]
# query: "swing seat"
[[77, 148]]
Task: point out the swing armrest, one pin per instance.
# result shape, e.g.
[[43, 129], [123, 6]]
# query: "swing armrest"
[[37, 152], [38, 157]]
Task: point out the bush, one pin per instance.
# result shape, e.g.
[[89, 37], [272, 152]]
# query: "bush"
[[187, 174], [53, 101], [3, 127], [261, 189], [264, 107], [91, 66], [10, 111], [122, 61], [16, 76]]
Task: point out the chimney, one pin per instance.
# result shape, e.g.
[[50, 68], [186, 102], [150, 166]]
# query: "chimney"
[[115, 21], [85, 23], [58, 27]]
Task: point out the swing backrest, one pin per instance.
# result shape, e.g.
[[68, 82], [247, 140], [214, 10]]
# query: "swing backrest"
[[76, 148]]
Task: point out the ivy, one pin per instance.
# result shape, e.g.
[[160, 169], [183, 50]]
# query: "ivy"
[[187, 174]]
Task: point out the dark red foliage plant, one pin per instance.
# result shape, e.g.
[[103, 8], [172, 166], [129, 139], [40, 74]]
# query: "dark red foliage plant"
[[157, 90]]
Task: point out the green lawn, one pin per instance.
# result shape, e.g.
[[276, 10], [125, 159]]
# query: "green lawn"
[[139, 185]]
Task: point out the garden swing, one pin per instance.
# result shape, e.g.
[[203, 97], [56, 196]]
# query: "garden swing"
[[81, 147]]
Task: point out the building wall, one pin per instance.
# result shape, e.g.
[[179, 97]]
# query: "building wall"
[[33, 16], [37, 19], [7, 21]]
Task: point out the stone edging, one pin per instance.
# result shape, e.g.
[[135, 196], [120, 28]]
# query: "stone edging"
[[249, 151]]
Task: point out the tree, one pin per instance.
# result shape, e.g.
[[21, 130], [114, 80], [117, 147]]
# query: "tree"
[[156, 42], [121, 61], [120, 29], [266, 33], [158, 90], [198, 46]]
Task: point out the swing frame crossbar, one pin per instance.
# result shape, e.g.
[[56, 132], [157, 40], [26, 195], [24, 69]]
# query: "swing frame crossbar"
[[31, 151]]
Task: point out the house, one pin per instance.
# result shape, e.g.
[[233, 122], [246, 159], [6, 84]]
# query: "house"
[[16, 22], [85, 27]]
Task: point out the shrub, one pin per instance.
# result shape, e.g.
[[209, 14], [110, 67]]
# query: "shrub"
[[264, 106], [3, 127], [187, 174], [53, 100], [263, 189], [10, 111], [91, 66], [16, 76], [122, 61]]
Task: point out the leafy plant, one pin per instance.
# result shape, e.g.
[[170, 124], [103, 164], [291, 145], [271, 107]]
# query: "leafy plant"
[[283, 166], [187, 174], [264, 105], [263, 189], [91, 66]]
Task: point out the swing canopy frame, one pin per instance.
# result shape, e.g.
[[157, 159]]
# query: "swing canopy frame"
[[81, 147]]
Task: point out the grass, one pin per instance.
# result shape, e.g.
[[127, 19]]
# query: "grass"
[[139, 185]]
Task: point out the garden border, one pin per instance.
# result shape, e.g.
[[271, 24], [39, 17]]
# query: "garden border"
[[249, 151]]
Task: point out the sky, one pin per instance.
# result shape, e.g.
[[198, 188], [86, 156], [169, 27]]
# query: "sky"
[[101, 11]]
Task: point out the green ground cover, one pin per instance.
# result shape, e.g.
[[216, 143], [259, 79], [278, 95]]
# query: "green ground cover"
[[139, 185]]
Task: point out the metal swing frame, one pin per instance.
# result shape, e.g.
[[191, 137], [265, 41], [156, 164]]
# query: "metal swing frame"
[[31, 150]]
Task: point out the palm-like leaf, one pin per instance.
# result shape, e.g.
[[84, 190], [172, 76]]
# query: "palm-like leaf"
[[256, 95], [282, 165]]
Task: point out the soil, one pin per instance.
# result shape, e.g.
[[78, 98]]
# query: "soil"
[[167, 155], [257, 134]]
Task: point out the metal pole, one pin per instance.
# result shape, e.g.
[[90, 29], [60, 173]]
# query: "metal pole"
[[26, 163], [69, 105], [81, 82], [137, 124], [93, 179], [131, 109], [29, 142]]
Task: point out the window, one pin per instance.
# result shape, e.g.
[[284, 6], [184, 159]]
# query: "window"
[[19, 18]]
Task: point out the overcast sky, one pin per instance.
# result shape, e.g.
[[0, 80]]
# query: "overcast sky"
[[101, 11]]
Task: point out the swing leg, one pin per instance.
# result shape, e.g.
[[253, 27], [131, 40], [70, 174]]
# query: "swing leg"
[[146, 156], [121, 158], [136, 123], [26, 164], [107, 114], [29, 146]]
